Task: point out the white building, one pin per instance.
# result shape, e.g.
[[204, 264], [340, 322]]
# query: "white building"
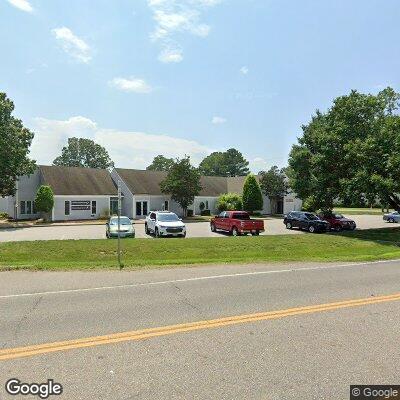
[[87, 193]]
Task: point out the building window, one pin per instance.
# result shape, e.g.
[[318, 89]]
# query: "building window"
[[94, 207], [166, 205], [113, 205], [29, 207], [22, 208], [67, 208]]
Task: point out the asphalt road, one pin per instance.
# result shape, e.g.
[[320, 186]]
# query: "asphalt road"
[[305, 353], [273, 226]]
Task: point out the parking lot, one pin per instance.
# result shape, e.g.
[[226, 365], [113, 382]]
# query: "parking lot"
[[273, 226]]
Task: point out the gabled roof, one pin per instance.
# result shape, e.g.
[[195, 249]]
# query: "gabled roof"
[[78, 181], [148, 182]]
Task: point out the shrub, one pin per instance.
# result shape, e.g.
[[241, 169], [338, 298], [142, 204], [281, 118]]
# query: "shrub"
[[205, 212], [229, 202], [3, 215], [252, 196], [189, 213], [44, 200], [202, 206]]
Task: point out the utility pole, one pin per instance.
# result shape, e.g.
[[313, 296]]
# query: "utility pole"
[[119, 225]]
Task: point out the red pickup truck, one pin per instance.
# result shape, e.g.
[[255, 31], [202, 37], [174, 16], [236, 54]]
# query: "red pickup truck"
[[236, 223]]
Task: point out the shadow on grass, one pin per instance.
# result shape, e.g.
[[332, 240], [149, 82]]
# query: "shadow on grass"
[[389, 236]]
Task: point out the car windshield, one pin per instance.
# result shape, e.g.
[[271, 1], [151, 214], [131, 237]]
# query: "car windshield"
[[241, 216], [338, 216], [311, 216], [123, 221], [168, 217]]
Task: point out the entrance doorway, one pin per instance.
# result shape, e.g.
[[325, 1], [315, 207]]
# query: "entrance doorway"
[[142, 208]]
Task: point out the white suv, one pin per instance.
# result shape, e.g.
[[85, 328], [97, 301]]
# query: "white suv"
[[164, 223]]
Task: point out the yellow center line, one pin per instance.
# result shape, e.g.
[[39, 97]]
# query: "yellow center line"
[[28, 351]]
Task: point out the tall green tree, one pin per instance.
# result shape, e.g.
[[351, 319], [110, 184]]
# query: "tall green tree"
[[352, 151], [15, 141], [228, 163], [252, 196], [274, 182], [182, 183], [84, 153], [161, 163]]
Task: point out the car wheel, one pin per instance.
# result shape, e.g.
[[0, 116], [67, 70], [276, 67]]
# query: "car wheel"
[[311, 229], [235, 231], [213, 228], [288, 225], [257, 233], [146, 229], [107, 235], [184, 235], [391, 220], [337, 228], [157, 233]]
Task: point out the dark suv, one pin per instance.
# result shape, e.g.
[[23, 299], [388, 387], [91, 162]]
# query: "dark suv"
[[305, 220]]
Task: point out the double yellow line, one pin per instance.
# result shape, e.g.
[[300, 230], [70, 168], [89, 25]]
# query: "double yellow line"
[[28, 351]]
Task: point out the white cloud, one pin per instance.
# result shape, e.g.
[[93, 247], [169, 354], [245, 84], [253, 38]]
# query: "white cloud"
[[171, 55], [131, 85], [23, 5], [127, 149], [73, 45], [173, 17], [244, 70], [218, 120]]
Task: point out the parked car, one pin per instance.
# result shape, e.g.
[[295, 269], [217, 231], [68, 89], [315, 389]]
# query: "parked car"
[[305, 220], [392, 217], [338, 222], [236, 223], [164, 223], [126, 227]]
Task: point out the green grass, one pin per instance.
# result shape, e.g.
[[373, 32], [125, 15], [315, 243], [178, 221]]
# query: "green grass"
[[358, 211], [372, 244]]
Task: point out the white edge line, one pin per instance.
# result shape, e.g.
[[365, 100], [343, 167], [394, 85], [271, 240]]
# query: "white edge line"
[[201, 278]]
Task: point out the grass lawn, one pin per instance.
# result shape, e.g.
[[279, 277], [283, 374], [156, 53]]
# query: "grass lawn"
[[359, 211], [371, 244]]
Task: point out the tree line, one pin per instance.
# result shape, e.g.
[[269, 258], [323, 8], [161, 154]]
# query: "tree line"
[[348, 154]]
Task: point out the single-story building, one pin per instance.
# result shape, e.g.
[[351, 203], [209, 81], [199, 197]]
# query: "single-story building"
[[142, 193], [87, 193], [79, 193]]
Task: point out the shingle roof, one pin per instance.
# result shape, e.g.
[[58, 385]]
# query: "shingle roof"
[[148, 182], [78, 181]]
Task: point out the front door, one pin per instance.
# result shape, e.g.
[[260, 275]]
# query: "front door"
[[144, 208], [138, 208]]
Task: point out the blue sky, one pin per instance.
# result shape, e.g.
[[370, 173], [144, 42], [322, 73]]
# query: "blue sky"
[[175, 77]]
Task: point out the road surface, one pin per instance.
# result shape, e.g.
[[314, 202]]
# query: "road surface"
[[275, 346], [273, 226]]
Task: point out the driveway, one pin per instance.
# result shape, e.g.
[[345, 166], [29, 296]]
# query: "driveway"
[[273, 226]]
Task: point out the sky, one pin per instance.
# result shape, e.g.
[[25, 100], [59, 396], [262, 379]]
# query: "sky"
[[189, 77]]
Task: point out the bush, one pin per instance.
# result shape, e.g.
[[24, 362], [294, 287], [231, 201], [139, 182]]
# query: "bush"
[[3, 215], [189, 213], [202, 206], [309, 204], [44, 200], [205, 212], [252, 196], [229, 202]]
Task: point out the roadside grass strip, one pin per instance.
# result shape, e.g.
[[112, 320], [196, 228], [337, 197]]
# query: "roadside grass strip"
[[363, 245]]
